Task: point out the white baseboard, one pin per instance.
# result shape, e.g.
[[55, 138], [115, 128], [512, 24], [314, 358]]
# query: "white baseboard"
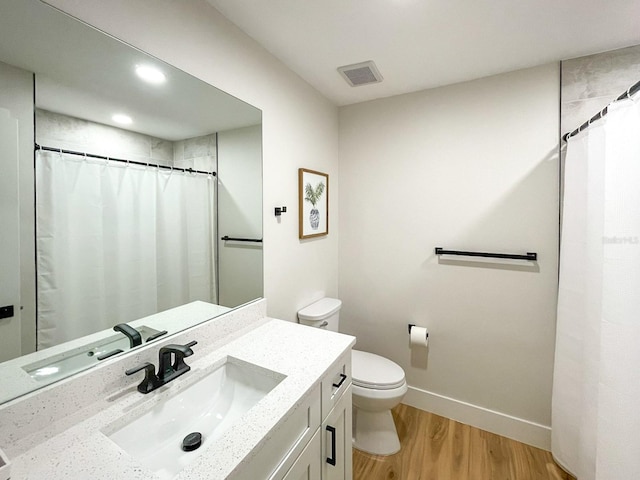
[[518, 429]]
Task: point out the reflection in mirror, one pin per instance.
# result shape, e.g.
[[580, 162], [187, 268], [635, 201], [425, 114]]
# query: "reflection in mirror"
[[137, 170]]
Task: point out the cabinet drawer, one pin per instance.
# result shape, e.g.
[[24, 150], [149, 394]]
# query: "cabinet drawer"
[[286, 442], [335, 382], [307, 466]]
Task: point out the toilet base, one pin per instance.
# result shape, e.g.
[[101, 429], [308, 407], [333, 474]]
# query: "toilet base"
[[375, 432]]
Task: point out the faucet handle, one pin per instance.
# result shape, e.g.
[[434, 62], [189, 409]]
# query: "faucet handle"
[[151, 380], [180, 353], [132, 334], [171, 360], [184, 350], [156, 335]]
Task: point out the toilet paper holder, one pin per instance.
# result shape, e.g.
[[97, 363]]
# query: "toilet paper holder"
[[413, 325]]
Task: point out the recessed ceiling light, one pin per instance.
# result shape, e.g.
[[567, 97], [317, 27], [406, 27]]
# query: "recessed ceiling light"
[[150, 74], [122, 119]]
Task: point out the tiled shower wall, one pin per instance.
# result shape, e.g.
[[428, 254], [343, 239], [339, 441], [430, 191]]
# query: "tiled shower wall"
[[590, 83], [61, 131], [198, 153]]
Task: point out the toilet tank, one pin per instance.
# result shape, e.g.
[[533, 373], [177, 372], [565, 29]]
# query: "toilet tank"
[[325, 313]]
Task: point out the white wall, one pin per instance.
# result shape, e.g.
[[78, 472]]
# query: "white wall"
[[16, 95], [300, 127], [10, 343], [239, 214], [471, 166]]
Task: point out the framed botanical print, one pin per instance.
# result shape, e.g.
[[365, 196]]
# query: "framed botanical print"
[[313, 203]]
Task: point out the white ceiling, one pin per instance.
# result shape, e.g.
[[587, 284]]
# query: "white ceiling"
[[420, 44]]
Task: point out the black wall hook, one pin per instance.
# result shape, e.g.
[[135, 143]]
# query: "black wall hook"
[[280, 211]]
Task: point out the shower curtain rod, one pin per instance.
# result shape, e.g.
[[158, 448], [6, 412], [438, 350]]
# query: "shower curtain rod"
[[111, 159], [626, 94]]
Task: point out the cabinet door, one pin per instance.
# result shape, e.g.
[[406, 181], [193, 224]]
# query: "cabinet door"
[[336, 444], [307, 466]]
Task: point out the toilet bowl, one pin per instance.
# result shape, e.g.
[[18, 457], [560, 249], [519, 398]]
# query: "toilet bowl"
[[378, 385]]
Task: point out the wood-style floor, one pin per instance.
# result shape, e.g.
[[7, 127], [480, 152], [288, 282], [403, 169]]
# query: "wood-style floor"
[[437, 448]]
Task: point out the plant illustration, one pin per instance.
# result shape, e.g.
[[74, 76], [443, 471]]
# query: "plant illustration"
[[313, 196]]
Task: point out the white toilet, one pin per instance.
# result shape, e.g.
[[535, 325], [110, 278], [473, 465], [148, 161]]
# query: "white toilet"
[[378, 385]]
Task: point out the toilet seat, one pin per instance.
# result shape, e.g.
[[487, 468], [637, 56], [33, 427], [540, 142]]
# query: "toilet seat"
[[369, 370]]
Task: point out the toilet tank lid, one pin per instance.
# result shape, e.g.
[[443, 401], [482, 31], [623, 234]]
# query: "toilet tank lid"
[[320, 310]]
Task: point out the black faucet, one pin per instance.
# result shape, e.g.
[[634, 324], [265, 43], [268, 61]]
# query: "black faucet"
[[171, 365], [168, 369], [151, 380], [132, 334]]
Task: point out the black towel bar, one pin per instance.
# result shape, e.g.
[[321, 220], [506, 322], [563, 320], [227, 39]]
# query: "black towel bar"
[[533, 256], [226, 237]]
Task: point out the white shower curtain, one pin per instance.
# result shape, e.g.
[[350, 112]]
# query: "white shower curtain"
[[117, 242], [596, 386]]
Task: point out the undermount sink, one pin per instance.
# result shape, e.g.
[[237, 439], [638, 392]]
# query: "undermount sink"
[[210, 407], [80, 358]]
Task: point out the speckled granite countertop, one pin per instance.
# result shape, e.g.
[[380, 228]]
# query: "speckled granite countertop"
[[83, 451]]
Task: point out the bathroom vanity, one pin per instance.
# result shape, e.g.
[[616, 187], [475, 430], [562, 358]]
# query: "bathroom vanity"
[[272, 400]]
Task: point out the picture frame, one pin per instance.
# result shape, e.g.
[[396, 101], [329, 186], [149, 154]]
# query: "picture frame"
[[313, 203]]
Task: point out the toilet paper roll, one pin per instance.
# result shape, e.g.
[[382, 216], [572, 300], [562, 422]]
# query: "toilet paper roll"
[[419, 336]]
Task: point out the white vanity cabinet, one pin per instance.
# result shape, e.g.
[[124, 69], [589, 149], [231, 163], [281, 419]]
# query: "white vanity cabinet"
[[336, 447], [336, 423], [288, 435], [333, 454], [287, 445], [307, 466], [314, 443]]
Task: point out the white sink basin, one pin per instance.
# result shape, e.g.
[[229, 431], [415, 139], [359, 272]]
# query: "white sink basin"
[[80, 358], [210, 406]]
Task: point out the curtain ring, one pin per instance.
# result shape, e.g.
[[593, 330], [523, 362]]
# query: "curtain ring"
[[630, 95]]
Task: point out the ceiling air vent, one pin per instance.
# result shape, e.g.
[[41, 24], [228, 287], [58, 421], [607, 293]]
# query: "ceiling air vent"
[[358, 74]]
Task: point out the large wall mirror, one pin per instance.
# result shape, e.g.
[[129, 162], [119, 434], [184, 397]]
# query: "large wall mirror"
[[128, 188]]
